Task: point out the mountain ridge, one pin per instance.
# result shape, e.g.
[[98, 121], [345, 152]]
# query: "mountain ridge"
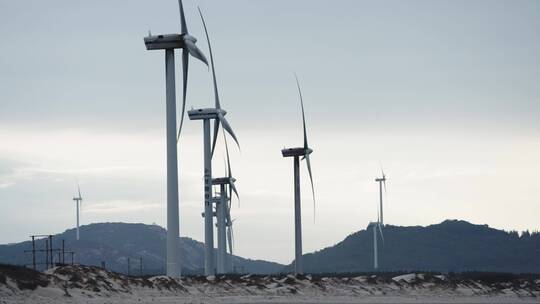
[[115, 242], [452, 245]]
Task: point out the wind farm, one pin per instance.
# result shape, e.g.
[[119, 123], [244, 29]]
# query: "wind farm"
[[162, 216]]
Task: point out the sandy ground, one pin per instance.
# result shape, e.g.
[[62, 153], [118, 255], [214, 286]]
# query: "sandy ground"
[[47, 298], [94, 285]]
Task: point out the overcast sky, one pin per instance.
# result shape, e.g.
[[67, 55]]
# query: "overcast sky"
[[445, 94]]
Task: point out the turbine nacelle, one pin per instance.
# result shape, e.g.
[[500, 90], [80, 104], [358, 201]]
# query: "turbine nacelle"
[[223, 180], [208, 113], [293, 152], [164, 42], [380, 179], [220, 181]]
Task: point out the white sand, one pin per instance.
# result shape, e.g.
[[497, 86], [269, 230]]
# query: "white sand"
[[92, 285]]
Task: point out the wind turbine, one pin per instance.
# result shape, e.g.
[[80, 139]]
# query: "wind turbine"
[[78, 200], [218, 115], [381, 181], [223, 214], [304, 151], [169, 43], [380, 223]]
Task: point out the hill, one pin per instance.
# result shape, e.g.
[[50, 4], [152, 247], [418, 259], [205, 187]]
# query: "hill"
[[115, 242], [449, 246]]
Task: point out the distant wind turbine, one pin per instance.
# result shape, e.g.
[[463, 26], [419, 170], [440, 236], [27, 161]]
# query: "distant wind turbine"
[[78, 201], [381, 181], [169, 43], [377, 226], [223, 214], [304, 151]]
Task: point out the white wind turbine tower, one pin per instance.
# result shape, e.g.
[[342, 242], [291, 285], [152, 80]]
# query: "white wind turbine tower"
[[169, 43], [78, 201], [376, 226], [296, 153]]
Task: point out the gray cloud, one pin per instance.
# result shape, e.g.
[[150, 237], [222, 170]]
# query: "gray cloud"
[[420, 63]]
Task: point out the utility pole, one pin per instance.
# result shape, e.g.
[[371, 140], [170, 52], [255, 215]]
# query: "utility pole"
[[46, 254], [51, 249], [34, 252], [63, 252], [48, 251], [375, 252]]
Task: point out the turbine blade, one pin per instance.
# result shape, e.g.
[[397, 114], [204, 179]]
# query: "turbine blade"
[[79, 189], [308, 163], [383, 177], [229, 239], [216, 132], [232, 237], [233, 187], [229, 206], [228, 128], [229, 228], [380, 231], [231, 183], [216, 95], [218, 106], [303, 115], [182, 18], [195, 51], [229, 172], [229, 203], [185, 65]]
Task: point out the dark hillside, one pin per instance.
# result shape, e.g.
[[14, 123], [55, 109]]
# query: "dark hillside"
[[449, 246], [115, 242]]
